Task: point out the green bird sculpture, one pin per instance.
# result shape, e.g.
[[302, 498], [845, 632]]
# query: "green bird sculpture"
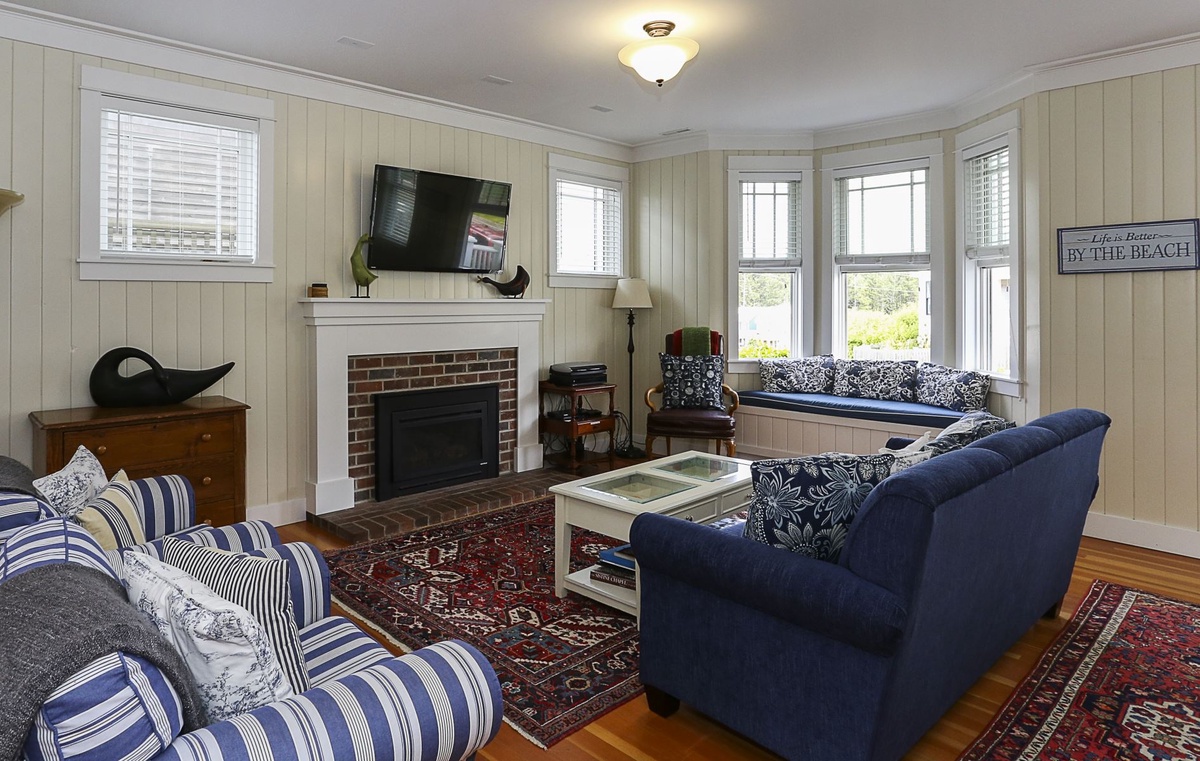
[[363, 277]]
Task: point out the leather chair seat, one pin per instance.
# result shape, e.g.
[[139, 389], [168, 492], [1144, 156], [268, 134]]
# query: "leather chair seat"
[[697, 423]]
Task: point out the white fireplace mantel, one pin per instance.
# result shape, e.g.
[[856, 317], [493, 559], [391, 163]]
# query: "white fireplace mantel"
[[342, 328]]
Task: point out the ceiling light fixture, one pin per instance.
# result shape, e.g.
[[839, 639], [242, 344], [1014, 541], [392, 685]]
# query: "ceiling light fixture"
[[660, 57]]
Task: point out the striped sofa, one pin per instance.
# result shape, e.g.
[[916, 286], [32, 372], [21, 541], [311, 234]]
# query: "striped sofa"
[[441, 702]]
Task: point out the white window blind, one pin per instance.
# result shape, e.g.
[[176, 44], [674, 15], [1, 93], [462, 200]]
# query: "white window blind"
[[882, 219], [171, 187], [770, 222], [589, 235], [987, 205]]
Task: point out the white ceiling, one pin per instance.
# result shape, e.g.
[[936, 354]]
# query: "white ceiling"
[[765, 66]]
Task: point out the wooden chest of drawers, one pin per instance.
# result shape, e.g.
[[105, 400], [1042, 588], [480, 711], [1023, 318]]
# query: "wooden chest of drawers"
[[203, 439]]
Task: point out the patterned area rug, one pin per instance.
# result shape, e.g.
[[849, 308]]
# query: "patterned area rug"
[[489, 580], [1122, 681]]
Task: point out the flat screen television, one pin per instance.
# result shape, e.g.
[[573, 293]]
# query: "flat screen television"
[[432, 222]]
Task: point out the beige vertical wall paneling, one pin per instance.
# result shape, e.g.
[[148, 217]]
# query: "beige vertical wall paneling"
[[1118, 302], [1181, 435], [27, 346], [1149, 399], [57, 269], [7, 281]]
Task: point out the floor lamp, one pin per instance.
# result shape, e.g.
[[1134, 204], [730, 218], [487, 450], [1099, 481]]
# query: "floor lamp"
[[632, 293]]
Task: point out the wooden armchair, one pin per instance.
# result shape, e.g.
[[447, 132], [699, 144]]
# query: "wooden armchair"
[[683, 422]]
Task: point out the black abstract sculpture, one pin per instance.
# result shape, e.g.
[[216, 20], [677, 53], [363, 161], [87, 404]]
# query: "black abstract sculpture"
[[156, 386], [513, 289]]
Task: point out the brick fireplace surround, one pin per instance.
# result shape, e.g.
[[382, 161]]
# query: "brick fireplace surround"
[[339, 329], [383, 373]]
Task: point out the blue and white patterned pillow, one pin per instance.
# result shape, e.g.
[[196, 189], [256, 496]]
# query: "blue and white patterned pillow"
[[804, 375], [17, 510], [225, 648], [806, 504], [69, 490], [692, 382], [887, 380], [958, 390], [970, 427]]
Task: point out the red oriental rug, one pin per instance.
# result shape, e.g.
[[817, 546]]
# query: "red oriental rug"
[[1122, 681], [489, 580]]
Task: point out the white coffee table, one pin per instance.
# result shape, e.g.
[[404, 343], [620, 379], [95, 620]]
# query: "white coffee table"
[[694, 486]]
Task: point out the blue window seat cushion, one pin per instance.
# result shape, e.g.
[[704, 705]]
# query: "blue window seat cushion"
[[901, 413]]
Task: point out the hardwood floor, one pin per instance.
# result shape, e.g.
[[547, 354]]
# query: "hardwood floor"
[[632, 732]]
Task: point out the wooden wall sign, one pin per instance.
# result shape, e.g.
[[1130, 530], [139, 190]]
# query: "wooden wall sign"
[[1170, 245]]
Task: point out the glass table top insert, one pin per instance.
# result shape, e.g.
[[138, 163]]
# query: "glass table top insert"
[[639, 487], [701, 467]]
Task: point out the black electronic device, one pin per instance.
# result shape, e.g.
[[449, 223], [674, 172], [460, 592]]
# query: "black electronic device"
[[578, 373], [432, 222]]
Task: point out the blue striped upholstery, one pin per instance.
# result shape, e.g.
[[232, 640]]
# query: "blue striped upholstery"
[[17, 510], [441, 702], [336, 647], [140, 714], [55, 540], [166, 504]]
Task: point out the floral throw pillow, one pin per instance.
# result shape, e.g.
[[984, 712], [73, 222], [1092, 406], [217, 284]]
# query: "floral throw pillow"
[[893, 381], [692, 382], [224, 647], [958, 390], [970, 427], [805, 375], [69, 490], [806, 504]]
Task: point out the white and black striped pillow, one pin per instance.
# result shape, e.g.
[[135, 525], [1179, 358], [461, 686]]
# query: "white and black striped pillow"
[[260, 585]]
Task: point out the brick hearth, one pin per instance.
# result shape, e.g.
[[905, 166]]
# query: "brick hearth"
[[382, 373]]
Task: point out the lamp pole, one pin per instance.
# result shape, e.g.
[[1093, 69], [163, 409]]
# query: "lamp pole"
[[631, 451], [631, 293]]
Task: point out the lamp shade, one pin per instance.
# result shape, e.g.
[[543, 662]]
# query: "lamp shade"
[[660, 57], [632, 293], [9, 198]]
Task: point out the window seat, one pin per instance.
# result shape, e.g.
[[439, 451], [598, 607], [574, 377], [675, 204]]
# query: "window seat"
[[787, 424]]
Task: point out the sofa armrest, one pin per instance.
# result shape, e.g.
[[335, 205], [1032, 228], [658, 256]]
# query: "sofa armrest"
[[442, 701], [820, 596], [165, 504]]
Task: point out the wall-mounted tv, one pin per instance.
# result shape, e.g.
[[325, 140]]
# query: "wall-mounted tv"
[[432, 222]]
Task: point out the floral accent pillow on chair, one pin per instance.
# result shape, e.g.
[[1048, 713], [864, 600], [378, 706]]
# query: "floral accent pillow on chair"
[[692, 382], [806, 504]]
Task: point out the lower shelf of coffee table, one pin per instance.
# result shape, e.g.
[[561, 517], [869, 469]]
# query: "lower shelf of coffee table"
[[610, 594]]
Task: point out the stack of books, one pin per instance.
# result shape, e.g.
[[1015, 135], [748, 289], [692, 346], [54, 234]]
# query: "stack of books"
[[616, 567]]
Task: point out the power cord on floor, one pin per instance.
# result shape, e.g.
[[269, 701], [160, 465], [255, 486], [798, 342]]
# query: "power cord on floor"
[[624, 437]]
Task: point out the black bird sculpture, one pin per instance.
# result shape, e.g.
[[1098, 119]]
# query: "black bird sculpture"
[[513, 289], [157, 386]]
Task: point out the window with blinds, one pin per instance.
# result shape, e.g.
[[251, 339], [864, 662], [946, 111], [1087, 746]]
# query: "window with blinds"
[[987, 204], [174, 187], [882, 219], [588, 227], [770, 222]]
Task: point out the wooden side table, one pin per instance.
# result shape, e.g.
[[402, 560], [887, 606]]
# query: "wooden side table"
[[203, 439], [578, 426]]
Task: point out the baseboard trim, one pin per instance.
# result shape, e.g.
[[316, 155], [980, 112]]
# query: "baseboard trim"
[[1152, 536], [279, 513]]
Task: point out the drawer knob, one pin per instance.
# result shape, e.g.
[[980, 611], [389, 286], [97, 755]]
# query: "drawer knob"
[[206, 437], [206, 480], [101, 449]]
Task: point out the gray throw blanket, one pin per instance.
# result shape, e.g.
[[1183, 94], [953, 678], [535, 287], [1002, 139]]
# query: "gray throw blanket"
[[16, 477], [56, 619]]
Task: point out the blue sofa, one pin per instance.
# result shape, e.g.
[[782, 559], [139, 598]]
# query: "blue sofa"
[[946, 565]]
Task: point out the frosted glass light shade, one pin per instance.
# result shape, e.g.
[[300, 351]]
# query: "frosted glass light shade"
[[632, 293], [659, 58]]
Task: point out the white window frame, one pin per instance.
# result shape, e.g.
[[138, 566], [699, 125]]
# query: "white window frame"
[[199, 102], [772, 169], [925, 154], [595, 173], [1003, 131]]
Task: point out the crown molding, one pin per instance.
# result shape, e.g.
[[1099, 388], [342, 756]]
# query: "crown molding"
[[55, 31], [694, 142]]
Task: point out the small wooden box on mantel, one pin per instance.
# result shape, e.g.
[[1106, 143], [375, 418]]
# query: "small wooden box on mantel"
[[203, 439]]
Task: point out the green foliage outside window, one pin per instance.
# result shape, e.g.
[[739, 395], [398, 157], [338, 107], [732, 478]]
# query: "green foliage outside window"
[[898, 330], [756, 348]]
